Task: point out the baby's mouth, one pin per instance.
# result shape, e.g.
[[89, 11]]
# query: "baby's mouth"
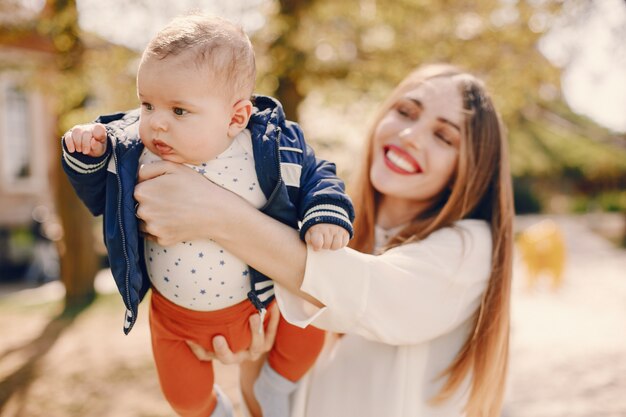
[[161, 147]]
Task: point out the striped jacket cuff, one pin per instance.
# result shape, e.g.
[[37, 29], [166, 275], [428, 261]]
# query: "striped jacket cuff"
[[83, 164], [326, 213]]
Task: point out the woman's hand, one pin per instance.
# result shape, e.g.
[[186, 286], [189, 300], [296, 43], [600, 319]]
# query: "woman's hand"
[[262, 342], [175, 203]]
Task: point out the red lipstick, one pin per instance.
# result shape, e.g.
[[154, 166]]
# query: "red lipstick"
[[400, 161]]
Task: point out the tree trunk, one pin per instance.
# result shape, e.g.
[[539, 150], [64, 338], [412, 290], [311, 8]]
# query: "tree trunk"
[[289, 96], [78, 258], [288, 79]]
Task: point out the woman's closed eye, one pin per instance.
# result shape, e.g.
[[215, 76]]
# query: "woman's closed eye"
[[442, 136], [408, 109]]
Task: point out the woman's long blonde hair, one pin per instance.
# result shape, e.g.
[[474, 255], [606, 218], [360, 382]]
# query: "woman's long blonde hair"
[[481, 190]]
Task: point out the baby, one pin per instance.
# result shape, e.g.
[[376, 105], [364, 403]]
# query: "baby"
[[195, 84]]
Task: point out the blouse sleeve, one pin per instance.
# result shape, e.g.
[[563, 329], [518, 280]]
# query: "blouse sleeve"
[[409, 294]]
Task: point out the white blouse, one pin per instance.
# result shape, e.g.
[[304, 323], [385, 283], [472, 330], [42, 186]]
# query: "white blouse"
[[405, 315]]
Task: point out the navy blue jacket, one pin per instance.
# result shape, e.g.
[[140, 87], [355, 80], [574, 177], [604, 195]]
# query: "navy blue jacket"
[[300, 190]]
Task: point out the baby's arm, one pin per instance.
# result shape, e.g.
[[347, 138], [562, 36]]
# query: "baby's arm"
[[89, 139], [84, 159], [326, 211], [326, 236], [87, 152]]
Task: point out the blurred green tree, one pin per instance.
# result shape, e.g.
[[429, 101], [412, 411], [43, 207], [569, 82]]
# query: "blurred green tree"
[[361, 48]]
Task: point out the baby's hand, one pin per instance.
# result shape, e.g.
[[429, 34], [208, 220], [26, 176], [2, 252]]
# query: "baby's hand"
[[326, 236], [90, 139]]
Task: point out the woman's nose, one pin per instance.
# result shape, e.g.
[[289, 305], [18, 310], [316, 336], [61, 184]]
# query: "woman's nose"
[[415, 135], [405, 133], [410, 136]]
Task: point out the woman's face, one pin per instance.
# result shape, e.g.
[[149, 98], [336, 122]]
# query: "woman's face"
[[416, 146]]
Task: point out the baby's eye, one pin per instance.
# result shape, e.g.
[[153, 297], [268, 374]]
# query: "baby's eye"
[[179, 112], [146, 106]]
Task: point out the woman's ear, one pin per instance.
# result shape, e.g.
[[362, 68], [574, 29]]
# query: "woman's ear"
[[241, 112]]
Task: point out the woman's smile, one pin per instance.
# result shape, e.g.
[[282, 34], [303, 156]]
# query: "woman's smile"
[[400, 161]]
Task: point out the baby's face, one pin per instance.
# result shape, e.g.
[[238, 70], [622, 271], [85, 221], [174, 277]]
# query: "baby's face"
[[183, 119]]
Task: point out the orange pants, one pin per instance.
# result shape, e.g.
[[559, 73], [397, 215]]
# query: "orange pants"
[[187, 382]]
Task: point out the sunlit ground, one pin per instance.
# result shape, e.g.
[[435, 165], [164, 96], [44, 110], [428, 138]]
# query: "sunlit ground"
[[569, 345], [568, 354]]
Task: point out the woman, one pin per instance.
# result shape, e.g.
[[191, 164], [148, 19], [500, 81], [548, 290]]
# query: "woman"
[[422, 298]]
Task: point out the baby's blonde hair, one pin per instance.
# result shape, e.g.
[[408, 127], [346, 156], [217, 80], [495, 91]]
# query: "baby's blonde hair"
[[217, 44]]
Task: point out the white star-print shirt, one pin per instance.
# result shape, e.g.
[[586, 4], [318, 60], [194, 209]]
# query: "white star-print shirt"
[[201, 275]]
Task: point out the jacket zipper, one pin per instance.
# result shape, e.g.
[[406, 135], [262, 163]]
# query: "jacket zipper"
[[123, 235], [280, 177], [252, 294]]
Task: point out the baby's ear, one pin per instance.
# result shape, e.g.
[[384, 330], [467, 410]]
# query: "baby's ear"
[[239, 117]]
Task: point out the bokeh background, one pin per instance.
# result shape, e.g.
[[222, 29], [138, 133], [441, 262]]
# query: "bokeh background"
[[556, 70]]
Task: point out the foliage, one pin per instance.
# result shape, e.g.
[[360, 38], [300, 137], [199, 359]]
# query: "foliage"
[[546, 144], [355, 51], [371, 46], [526, 200], [611, 201], [108, 71]]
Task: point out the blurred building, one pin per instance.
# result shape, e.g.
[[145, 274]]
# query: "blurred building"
[[27, 129], [37, 101]]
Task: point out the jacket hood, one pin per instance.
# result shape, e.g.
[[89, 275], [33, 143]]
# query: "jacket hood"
[[268, 113]]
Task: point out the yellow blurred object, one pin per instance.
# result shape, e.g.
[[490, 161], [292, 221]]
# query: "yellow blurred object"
[[543, 252]]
